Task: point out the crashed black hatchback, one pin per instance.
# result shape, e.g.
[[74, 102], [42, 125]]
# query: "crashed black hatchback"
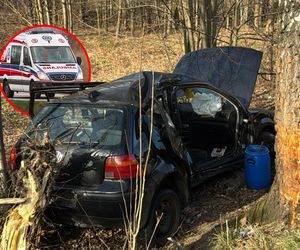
[[201, 126]]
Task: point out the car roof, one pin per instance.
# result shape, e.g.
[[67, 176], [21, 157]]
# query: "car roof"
[[125, 90]]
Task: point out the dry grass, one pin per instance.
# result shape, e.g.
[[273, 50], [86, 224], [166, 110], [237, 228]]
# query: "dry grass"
[[267, 237], [112, 58]]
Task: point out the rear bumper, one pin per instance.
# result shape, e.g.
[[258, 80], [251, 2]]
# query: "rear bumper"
[[89, 208]]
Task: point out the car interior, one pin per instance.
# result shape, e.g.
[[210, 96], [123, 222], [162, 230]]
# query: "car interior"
[[207, 123]]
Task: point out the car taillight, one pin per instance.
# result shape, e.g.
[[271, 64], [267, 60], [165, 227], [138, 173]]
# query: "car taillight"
[[12, 158], [121, 167]]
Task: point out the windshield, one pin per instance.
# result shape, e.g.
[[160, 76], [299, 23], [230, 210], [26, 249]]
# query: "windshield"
[[84, 125], [52, 54]]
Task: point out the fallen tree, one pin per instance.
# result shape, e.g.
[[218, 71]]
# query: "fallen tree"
[[34, 182]]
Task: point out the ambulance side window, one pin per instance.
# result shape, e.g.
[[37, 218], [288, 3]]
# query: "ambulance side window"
[[26, 57], [15, 54]]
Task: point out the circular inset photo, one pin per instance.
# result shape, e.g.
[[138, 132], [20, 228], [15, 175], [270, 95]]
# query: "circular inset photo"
[[41, 56]]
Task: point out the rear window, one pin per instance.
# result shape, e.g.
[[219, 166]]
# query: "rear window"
[[86, 125]]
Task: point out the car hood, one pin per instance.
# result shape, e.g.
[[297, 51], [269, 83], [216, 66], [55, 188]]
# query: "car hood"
[[231, 69]]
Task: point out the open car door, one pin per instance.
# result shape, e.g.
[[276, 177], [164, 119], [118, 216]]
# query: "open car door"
[[208, 121]]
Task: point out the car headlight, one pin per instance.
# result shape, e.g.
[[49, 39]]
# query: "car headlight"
[[42, 76], [80, 76]]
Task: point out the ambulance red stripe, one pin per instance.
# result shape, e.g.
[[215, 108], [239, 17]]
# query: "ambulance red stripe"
[[10, 72]]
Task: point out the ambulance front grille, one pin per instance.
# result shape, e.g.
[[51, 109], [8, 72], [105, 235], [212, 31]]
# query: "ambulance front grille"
[[62, 77]]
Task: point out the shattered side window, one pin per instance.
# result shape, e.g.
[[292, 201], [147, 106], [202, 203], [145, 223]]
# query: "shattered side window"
[[203, 102]]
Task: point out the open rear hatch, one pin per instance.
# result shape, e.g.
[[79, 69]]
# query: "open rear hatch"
[[231, 69]]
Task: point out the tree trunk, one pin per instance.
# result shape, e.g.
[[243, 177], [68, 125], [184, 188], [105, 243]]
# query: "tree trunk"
[[3, 168], [132, 15], [118, 26], [188, 25], [105, 21], [65, 16], [98, 9], [53, 12], [70, 16], [47, 13], [287, 106], [283, 203], [202, 24], [257, 12], [39, 11]]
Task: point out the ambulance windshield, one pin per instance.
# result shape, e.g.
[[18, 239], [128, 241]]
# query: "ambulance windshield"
[[52, 54]]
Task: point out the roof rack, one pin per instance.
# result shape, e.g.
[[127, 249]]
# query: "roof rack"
[[37, 88]]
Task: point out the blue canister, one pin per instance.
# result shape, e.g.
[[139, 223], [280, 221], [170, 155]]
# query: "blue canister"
[[257, 167]]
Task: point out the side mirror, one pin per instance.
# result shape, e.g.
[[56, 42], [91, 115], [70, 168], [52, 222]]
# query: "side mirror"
[[79, 61]]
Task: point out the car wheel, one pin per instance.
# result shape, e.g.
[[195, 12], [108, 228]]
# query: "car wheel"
[[268, 140], [164, 217], [8, 92]]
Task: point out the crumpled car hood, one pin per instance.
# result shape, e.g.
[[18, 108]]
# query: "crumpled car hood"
[[231, 69]]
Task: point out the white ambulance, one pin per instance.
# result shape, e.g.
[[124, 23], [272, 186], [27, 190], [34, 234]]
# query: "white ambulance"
[[38, 55]]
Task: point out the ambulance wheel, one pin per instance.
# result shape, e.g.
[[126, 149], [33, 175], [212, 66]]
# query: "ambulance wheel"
[[51, 95], [8, 92], [37, 96]]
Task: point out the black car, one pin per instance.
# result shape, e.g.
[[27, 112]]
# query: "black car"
[[201, 126]]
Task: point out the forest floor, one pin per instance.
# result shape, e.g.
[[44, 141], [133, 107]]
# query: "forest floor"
[[218, 199]]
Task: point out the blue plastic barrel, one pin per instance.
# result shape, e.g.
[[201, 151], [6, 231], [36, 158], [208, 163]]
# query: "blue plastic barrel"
[[257, 167]]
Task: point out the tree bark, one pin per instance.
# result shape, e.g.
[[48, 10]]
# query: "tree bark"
[[257, 12], [118, 25], [202, 12], [53, 12], [283, 203], [3, 167], [187, 25], [70, 15], [47, 13], [65, 16], [39, 11], [287, 107], [132, 18]]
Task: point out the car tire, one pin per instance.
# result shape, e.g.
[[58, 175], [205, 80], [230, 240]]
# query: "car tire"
[[268, 139], [166, 204], [8, 92]]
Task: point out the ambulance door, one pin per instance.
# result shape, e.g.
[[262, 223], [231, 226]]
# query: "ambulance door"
[[15, 76], [26, 68]]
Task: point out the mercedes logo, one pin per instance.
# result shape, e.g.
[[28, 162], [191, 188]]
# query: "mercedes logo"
[[63, 77]]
